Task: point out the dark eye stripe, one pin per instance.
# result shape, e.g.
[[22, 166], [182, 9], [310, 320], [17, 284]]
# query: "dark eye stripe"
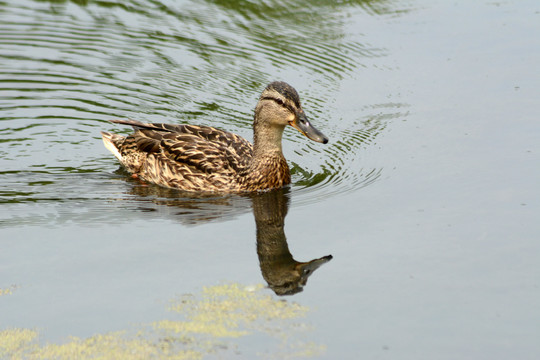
[[279, 102]]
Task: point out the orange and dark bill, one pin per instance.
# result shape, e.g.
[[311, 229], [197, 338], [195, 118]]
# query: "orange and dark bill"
[[302, 124]]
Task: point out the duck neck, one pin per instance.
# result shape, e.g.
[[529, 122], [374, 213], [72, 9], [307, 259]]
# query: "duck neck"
[[268, 168], [267, 141]]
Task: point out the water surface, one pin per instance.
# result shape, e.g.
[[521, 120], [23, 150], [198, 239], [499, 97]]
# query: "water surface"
[[426, 196]]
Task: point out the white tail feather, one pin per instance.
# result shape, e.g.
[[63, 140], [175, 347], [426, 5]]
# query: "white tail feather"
[[107, 141]]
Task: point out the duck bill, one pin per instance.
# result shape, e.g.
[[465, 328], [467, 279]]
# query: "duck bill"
[[302, 124], [307, 268], [316, 263]]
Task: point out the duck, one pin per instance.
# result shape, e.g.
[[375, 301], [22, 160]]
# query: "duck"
[[198, 158]]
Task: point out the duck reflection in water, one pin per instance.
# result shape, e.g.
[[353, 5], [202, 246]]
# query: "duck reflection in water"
[[284, 275]]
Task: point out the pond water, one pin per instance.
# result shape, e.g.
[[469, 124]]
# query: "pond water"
[[427, 196]]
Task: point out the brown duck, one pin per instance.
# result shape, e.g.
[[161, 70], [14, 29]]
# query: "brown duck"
[[206, 159]]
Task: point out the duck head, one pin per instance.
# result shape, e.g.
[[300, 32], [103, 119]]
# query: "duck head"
[[279, 106]]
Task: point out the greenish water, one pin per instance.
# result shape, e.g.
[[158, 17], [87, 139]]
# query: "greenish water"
[[426, 196]]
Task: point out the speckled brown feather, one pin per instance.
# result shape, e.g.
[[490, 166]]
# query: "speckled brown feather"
[[196, 158]]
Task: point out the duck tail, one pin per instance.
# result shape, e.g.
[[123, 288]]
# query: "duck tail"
[[110, 141]]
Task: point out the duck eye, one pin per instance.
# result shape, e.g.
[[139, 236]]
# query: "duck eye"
[[279, 101]]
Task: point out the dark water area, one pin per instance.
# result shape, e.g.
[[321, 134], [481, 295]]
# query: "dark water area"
[[412, 234]]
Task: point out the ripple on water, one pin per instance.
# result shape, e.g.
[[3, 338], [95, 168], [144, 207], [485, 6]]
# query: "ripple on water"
[[340, 168], [67, 67]]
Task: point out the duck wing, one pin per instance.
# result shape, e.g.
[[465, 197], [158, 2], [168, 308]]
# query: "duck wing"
[[207, 149], [203, 148]]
